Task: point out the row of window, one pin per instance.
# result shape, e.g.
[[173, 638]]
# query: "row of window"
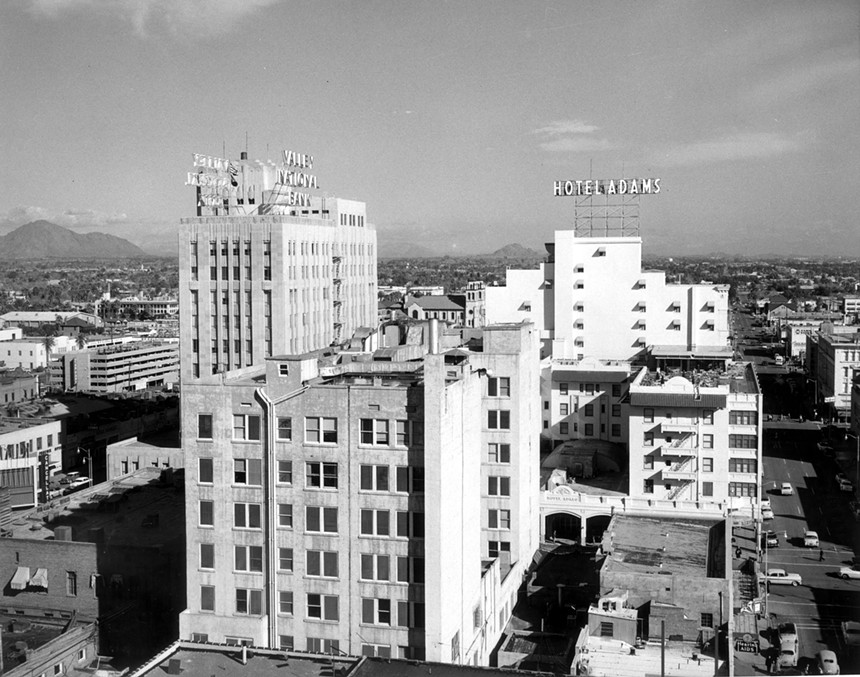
[[319, 475], [589, 388], [319, 430], [588, 409], [588, 428], [320, 645], [374, 610], [735, 441], [748, 465], [319, 519]]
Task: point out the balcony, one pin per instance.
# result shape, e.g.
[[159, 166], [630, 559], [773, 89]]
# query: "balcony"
[[679, 426], [682, 471]]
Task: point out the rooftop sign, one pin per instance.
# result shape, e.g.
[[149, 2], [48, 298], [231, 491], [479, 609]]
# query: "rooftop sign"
[[590, 187]]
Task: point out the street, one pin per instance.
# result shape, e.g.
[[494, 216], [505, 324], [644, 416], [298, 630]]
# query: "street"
[[823, 601]]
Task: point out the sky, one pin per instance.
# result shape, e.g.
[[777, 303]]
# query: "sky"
[[451, 120]]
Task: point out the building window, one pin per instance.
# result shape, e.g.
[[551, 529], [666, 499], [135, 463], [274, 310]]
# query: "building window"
[[375, 568], [616, 410], [323, 607], [246, 427], [742, 489], [408, 433], [410, 614], [285, 428], [374, 431], [707, 488], [410, 479], [494, 548], [606, 629], [205, 471], [708, 417], [743, 418], [589, 430], [499, 419], [648, 463], [616, 390], [207, 516], [707, 441], [562, 388], [374, 477], [743, 465], [248, 471], [286, 643], [589, 410], [648, 439], [376, 611], [563, 428], [320, 430], [410, 570], [207, 555], [285, 515], [246, 516], [285, 472], [320, 475], [499, 453], [499, 519], [248, 558], [648, 415], [285, 559], [376, 650], [207, 598], [743, 441], [410, 524], [616, 430], [249, 602], [319, 645], [320, 520], [707, 464], [707, 620], [499, 387], [375, 522], [322, 563], [285, 604], [72, 583], [498, 485], [648, 487], [204, 426]]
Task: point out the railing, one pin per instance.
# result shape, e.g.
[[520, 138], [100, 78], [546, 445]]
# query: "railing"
[[637, 506]]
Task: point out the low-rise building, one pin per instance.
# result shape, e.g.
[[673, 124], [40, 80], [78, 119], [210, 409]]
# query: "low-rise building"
[[442, 308], [833, 361], [17, 385], [43, 642], [117, 368], [159, 450], [30, 453]]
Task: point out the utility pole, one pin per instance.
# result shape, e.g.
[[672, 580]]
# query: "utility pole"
[[662, 648], [89, 463]]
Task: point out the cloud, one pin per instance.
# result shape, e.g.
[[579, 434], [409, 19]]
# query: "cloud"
[[80, 219], [180, 17], [746, 146], [563, 127], [571, 136]]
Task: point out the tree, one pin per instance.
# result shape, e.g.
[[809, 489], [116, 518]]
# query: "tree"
[[49, 342], [81, 341]]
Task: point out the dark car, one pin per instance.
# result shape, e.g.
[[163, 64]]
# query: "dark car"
[[770, 539]]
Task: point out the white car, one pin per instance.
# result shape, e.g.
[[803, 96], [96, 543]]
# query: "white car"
[[848, 572], [782, 577], [765, 503], [767, 513], [844, 483], [786, 489], [810, 539]]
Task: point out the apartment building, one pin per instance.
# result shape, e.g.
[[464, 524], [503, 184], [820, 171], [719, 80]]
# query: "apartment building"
[[256, 285], [115, 368], [368, 504], [696, 435], [591, 298]]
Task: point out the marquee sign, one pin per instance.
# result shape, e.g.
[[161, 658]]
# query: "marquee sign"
[[590, 187]]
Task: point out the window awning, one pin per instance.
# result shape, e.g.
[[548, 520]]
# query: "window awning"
[[21, 578], [40, 579]]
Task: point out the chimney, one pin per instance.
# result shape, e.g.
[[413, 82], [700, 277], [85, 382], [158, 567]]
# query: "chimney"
[[243, 155], [63, 534], [434, 337], [244, 654]]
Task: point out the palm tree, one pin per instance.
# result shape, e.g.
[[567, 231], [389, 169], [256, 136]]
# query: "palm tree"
[[81, 341], [49, 342]]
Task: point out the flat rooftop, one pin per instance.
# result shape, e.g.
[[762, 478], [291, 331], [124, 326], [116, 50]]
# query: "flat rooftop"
[[119, 507], [612, 657], [10, 423], [20, 631], [737, 377], [649, 545]]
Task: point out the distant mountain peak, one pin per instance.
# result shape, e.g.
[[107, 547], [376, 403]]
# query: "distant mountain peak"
[[515, 251], [45, 240]]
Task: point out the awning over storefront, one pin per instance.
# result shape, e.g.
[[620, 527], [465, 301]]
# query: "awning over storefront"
[[40, 579], [21, 578]]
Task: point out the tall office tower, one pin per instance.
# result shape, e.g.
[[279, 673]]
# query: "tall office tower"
[[592, 299], [267, 270], [379, 504]]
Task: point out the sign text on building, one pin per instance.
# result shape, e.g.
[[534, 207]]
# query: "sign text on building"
[[587, 187]]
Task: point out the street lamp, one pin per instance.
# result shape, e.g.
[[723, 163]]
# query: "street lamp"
[[89, 463]]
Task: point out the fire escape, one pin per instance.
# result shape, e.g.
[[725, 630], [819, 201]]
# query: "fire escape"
[[337, 293]]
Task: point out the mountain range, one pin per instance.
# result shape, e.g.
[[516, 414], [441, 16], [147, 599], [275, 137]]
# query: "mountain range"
[[46, 240]]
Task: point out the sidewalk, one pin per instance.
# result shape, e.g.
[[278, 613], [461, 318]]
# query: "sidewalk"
[[748, 626]]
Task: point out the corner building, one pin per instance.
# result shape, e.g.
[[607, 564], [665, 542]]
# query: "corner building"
[[256, 285], [380, 504]]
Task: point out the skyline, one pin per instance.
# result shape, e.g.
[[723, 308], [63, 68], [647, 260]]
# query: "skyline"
[[450, 121]]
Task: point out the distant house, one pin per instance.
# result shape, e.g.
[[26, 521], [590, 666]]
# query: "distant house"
[[442, 308]]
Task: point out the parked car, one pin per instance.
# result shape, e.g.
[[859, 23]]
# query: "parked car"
[[765, 503], [826, 662], [786, 489], [810, 539], [844, 483], [767, 513], [782, 577], [848, 572], [786, 631], [788, 651], [771, 540]]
